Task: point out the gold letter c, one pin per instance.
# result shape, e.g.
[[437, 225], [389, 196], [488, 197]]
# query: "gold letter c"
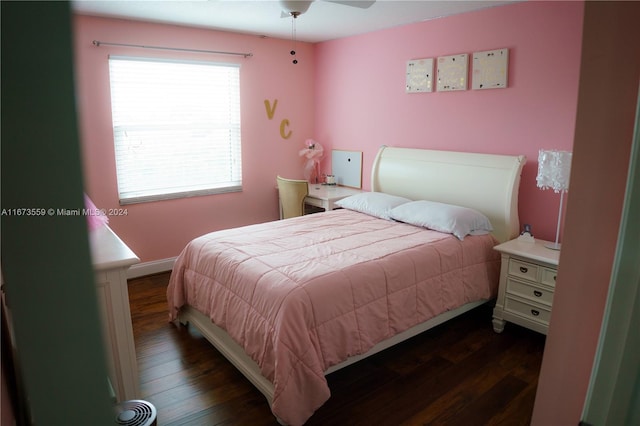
[[283, 124]]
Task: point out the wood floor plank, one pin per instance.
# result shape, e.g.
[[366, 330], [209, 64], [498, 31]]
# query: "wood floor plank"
[[518, 410], [459, 398], [426, 386], [460, 372]]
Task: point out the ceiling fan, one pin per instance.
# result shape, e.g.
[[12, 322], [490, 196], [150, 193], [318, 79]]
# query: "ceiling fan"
[[295, 8]]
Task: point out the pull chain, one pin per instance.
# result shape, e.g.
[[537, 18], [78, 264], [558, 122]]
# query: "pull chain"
[[294, 16]]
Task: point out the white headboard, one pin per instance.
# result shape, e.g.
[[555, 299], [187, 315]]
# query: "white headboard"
[[485, 182]]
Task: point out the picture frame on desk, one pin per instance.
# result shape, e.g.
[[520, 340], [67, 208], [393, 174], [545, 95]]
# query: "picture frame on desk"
[[346, 168]]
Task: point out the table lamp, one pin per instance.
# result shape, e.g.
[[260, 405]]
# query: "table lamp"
[[554, 168]]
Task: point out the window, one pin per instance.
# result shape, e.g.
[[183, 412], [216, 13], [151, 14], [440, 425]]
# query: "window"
[[176, 128]]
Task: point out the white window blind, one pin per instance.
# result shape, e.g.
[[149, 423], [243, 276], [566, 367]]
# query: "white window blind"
[[176, 128]]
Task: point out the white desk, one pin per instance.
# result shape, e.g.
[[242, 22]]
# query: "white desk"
[[111, 259], [325, 196]]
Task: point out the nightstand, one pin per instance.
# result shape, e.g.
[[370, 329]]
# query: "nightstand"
[[527, 284]]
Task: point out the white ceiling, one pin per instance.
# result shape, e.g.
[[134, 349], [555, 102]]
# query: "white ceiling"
[[324, 20]]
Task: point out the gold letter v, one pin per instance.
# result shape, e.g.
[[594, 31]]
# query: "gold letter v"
[[270, 110]]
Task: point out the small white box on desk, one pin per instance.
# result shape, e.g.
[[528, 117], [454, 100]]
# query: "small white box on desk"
[[526, 237]]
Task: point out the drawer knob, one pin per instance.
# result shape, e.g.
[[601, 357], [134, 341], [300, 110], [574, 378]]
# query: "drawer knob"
[[537, 293], [523, 269], [554, 278], [535, 313]]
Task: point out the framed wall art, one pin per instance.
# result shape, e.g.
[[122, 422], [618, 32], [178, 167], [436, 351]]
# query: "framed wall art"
[[452, 72], [490, 69], [419, 75]]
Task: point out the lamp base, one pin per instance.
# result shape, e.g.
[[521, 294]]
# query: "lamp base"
[[553, 246]]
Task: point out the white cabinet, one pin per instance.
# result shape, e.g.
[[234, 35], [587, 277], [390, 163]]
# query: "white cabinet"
[[527, 284], [111, 259]]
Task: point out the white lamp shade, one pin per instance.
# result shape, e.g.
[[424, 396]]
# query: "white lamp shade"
[[554, 168]]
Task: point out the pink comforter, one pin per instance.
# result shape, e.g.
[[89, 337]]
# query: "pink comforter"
[[303, 294]]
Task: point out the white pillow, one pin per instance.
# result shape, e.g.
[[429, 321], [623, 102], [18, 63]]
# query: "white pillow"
[[456, 220], [376, 204]]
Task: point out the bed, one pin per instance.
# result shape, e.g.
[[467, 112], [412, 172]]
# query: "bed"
[[291, 301]]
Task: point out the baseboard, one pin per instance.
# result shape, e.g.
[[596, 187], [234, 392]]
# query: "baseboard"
[[150, 268]]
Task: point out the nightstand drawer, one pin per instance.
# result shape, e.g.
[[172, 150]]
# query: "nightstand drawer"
[[528, 271], [549, 277], [532, 312], [536, 294]]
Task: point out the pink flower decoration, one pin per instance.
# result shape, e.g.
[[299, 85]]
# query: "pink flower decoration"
[[313, 153]]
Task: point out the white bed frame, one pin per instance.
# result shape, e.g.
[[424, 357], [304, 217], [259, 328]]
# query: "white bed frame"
[[485, 182]]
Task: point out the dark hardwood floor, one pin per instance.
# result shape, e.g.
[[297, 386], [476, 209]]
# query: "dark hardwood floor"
[[460, 373]]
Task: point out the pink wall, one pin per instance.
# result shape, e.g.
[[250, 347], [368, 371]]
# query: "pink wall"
[[361, 101], [604, 134], [347, 94], [160, 230]]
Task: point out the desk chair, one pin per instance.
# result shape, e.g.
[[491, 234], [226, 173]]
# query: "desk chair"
[[292, 193]]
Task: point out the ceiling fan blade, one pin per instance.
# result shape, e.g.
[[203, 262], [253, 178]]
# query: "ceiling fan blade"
[[362, 4]]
